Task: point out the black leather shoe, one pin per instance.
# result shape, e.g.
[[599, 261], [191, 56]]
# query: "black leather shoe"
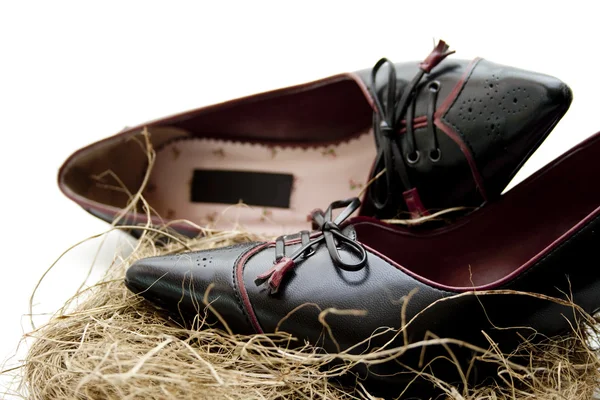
[[454, 134], [543, 237], [448, 132]]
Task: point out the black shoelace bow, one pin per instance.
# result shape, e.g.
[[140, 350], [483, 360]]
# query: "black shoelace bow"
[[386, 123], [328, 232]]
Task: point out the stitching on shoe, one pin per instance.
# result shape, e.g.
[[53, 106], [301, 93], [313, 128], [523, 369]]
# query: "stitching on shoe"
[[243, 259], [240, 302], [457, 137], [462, 135]]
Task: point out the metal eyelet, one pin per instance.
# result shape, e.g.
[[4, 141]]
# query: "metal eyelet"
[[434, 86], [309, 252], [413, 158], [435, 155]]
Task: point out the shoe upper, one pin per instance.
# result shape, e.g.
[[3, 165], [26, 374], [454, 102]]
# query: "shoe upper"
[[303, 282], [358, 304], [463, 134], [472, 124]]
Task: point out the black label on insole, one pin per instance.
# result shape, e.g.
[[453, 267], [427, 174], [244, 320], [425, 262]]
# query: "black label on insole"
[[263, 189]]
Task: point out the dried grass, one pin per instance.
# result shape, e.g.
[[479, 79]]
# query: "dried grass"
[[106, 343]]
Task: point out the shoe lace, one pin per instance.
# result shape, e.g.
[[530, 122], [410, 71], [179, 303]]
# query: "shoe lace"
[[329, 232], [387, 117]]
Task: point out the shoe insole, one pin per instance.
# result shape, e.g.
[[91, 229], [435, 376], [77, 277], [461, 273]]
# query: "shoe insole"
[[270, 189]]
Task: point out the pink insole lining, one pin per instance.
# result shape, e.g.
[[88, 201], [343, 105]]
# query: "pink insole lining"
[[321, 175]]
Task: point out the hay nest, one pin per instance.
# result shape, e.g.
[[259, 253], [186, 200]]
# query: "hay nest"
[[114, 345], [106, 343]]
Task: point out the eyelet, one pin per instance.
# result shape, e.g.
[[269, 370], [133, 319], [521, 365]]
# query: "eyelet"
[[434, 86], [435, 155], [413, 158], [309, 252]]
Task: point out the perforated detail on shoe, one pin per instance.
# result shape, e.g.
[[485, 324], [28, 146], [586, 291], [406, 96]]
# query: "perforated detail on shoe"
[[502, 114], [491, 108], [496, 106], [204, 260]]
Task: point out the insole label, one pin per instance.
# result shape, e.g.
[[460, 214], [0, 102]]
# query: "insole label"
[[231, 187]]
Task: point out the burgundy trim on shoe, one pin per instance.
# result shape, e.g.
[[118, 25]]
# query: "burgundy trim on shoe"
[[363, 87], [239, 277], [440, 123], [418, 122], [452, 134], [564, 238], [91, 205]]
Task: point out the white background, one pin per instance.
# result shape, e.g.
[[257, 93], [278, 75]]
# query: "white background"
[[73, 72]]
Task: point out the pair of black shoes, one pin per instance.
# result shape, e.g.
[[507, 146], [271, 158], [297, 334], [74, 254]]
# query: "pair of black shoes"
[[448, 134]]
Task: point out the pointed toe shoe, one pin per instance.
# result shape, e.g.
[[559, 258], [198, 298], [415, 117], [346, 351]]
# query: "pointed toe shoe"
[[447, 132], [459, 281]]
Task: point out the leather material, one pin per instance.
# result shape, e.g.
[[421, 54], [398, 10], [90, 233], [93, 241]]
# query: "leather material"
[[564, 264], [379, 289], [522, 107], [483, 134], [193, 273], [493, 114]]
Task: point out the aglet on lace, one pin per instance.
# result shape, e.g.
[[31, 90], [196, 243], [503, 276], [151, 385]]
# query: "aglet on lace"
[[388, 116], [275, 275], [436, 56], [328, 233]]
